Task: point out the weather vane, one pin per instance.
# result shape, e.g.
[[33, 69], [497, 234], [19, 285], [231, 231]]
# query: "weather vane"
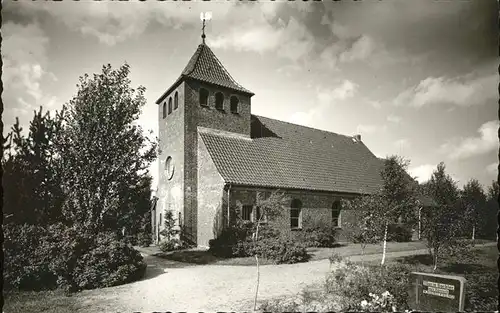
[[207, 16]]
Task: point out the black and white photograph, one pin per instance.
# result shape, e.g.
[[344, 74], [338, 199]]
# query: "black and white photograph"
[[250, 156]]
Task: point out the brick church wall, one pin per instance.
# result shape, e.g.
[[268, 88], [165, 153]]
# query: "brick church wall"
[[210, 197], [170, 192], [315, 205]]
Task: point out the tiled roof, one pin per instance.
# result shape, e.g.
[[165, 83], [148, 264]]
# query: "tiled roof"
[[206, 67], [285, 155]]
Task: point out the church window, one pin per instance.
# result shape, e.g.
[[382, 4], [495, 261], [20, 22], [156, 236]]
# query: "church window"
[[164, 109], [169, 167], [234, 104], [176, 100], [336, 208], [219, 101], [169, 105], [203, 97], [296, 214], [246, 212]]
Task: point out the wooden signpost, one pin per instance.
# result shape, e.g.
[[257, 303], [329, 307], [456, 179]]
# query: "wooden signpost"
[[434, 292]]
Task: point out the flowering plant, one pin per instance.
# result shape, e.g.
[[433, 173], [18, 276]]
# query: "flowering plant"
[[383, 303]]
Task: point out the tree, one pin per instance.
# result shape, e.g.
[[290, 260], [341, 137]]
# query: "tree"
[[488, 224], [474, 203], [272, 209], [374, 213], [398, 196], [359, 225], [106, 153], [443, 224], [31, 177]]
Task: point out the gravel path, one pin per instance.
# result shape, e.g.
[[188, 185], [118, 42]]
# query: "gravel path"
[[211, 287]]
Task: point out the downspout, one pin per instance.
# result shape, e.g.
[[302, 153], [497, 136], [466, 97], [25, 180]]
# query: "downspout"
[[228, 205]]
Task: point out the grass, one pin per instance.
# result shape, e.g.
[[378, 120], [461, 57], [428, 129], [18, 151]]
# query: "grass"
[[42, 301], [189, 257], [479, 269]]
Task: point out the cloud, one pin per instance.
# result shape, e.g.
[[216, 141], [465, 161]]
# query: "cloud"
[[360, 50], [402, 143], [291, 40], [370, 129], [114, 22], [325, 100], [492, 168], [422, 172], [346, 89], [461, 91], [463, 148], [394, 119], [24, 55]]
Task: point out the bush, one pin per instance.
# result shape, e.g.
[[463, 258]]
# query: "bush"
[[282, 250], [109, 262], [56, 256], [144, 240], [172, 245], [317, 233], [399, 233], [236, 241], [351, 284]]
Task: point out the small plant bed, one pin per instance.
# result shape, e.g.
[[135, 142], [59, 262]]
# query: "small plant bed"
[[479, 268], [368, 286]]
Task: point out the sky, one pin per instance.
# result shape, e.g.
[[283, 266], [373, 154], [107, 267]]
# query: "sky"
[[414, 78]]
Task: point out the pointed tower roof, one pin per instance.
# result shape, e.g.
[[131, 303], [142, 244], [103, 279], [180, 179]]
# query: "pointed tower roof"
[[206, 67]]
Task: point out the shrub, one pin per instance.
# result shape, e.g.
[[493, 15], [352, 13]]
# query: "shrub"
[[399, 233], [109, 262], [144, 240], [234, 241], [317, 233], [27, 258], [38, 258], [281, 250], [351, 284], [172, 245]]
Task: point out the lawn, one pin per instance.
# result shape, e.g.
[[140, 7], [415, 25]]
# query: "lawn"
[[42, 301], [200, 257]]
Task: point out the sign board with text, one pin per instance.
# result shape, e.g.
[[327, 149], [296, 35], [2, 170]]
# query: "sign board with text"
[[434, 292]]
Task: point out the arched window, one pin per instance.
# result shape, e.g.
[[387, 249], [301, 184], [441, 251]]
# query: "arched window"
[[234, 104], [219, 101], [164, 109], [295, 214], [169, 105], [203, 97], [336, 208], [176, 100]]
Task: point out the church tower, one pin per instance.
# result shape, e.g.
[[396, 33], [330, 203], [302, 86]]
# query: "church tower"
[[205, 96]]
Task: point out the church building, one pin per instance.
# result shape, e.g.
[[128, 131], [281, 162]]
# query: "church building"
[[216, 156]]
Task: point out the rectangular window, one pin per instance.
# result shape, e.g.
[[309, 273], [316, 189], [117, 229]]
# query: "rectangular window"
[[295, 218], [159, 221], [246, 212]]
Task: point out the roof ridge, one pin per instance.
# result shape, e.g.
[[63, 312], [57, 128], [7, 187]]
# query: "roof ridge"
[[312, 128], [200, 49]]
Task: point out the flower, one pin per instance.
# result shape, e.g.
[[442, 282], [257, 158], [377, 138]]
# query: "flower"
[[364, 303]]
